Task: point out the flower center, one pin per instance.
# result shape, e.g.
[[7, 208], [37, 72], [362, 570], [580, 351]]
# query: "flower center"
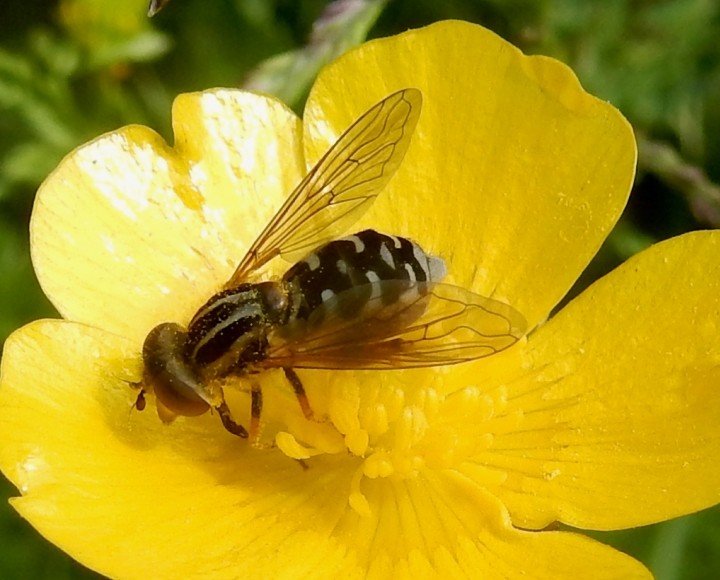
[[401, 425]]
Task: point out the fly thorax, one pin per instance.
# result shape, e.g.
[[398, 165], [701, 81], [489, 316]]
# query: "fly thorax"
[[274, 298], [229, 332]]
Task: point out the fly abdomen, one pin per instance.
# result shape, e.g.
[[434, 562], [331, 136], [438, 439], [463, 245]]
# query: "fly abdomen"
[[354, 266]]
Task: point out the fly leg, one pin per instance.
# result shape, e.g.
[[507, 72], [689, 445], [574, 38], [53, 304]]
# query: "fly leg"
[[256, 403], [297, 386], [229, 423], [253, 433]]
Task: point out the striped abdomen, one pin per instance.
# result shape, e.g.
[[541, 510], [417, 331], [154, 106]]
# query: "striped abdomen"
[[353, 266]]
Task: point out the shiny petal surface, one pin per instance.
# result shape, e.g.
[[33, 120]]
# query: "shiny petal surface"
[[210, 506], [616, 407], [128, 224], [604, 417], [515, 175], [182, 501]]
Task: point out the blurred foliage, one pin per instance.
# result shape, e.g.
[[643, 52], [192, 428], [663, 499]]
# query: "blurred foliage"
[[73, 69]]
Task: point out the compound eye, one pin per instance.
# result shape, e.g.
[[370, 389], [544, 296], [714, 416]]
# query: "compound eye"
[[168, 373]]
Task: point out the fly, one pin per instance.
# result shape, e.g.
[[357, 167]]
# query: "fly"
[[366, 301]]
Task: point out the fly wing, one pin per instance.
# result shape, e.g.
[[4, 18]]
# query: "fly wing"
[[428, 325], [341, 186]]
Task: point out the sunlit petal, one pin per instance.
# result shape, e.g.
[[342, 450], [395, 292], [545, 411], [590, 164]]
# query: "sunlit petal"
[[88, 477], [616, 407], [128, 224], [515, 174]]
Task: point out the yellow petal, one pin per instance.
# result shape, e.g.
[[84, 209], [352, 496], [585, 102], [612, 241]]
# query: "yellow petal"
[[442, 525], [617, 404], [179, 500], [515, 175], [189, 501], [515, 185], [127, 224]]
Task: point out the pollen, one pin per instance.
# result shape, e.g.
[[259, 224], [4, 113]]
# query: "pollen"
[[398, 432]]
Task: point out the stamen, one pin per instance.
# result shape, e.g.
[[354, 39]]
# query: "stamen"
[[400, 430], [357, 442], [357, 499], [290, 447]]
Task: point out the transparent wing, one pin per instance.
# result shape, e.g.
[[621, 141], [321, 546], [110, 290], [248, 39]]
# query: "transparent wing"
[[429, 325], [341, 186]]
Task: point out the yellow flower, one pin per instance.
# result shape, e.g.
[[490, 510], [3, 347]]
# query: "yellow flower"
[[607, 416]]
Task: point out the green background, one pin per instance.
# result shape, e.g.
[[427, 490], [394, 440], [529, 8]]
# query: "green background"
[[73, 69]]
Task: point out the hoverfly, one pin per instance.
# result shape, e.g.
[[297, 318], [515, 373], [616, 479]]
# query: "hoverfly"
[[367, 301]]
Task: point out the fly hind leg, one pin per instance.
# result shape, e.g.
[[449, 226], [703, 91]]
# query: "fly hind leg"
[[297, 386], [256, 403]]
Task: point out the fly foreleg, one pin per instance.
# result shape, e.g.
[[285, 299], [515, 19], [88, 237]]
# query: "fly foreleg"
[[229, 423]]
